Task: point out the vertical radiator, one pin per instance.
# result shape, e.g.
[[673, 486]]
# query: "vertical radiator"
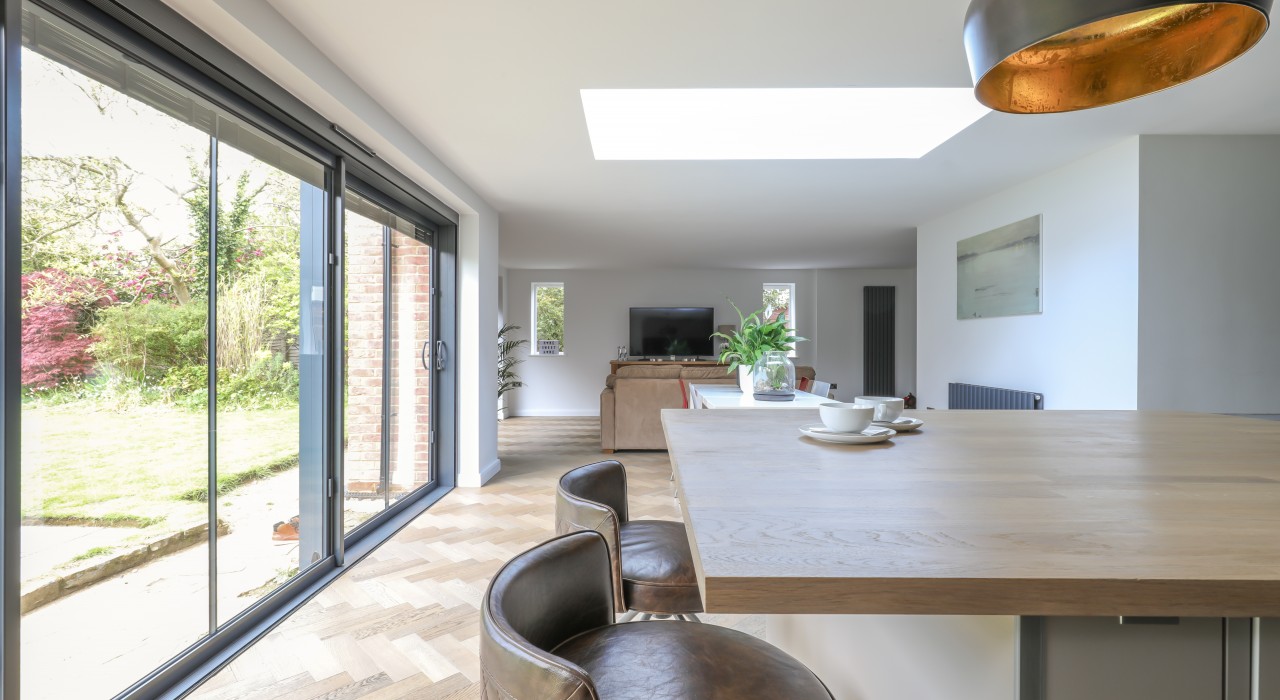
[[972, 396], [878, 311]]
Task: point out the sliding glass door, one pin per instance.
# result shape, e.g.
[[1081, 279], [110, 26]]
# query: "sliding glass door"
[[230, 361], [260, 236], [390, 358], [115, 417], [410, 463], [162, 260]]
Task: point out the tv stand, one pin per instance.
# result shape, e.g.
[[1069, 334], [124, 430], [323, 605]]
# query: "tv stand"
[[615, 364]]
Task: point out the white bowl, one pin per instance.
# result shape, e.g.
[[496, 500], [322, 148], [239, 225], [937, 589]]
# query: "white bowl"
[[846, 417], [888, 408]]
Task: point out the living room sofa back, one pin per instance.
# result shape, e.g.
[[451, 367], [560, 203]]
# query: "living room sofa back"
[[632, 401]]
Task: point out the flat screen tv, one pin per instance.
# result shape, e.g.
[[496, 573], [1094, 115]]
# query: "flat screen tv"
[[679, 331]]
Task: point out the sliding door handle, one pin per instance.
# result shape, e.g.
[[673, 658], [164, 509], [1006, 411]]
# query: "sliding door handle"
[[442, 354], [425, 345]]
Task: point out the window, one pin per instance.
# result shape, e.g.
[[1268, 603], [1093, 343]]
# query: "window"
[[548, 318], [779, 299], [205, 349]]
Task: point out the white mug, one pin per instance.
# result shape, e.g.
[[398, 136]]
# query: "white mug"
[[845, 417], [888, 408]]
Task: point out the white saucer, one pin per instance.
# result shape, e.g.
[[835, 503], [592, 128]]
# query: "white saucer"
[[902, 425], [818, 431]]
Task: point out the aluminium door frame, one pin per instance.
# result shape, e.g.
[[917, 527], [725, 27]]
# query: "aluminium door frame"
[[10, 342]]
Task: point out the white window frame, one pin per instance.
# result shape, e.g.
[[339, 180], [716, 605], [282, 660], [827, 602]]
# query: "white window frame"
[[791, 311], [533, 318]]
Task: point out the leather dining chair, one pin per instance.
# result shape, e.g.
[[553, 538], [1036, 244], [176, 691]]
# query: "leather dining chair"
[[547, 633], [652, 565]]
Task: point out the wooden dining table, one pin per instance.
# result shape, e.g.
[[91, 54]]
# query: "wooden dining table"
[[989, 552]]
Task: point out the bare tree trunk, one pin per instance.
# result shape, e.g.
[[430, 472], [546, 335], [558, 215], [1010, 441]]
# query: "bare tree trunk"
[[181, 288]]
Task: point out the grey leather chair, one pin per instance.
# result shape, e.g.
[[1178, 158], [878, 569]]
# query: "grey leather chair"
[[547, 633], [652, 565]]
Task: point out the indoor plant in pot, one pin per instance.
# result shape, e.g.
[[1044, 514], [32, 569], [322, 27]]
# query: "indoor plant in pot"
[[507, 361], [754, 337]]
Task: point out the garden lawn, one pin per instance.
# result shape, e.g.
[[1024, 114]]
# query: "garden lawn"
[[146, 465]]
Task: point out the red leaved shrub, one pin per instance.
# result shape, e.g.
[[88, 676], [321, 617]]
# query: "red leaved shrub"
[[57, 310]]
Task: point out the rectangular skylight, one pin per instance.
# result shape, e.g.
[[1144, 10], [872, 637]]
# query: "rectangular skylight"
[[775, 123]]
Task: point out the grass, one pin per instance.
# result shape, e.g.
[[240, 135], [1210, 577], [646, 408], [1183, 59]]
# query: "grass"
[[84, 464], [103, 520], [227, 482], [95, 552]]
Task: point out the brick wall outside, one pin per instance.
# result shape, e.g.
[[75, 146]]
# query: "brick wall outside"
[[363, 417], [410, 383]]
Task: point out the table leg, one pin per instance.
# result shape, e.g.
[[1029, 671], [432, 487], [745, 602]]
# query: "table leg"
[[1111, 658]]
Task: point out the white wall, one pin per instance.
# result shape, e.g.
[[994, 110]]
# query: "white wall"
[[828, 302], [1209, 334], [838, 352], [1082, 351]]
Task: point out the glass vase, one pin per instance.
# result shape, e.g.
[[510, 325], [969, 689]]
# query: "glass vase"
[[773, 377]]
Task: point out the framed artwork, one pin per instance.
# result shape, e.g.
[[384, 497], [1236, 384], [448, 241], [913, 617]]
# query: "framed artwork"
[[998, 272]]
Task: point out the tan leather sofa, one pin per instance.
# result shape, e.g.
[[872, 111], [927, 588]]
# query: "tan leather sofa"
[[632, 401]]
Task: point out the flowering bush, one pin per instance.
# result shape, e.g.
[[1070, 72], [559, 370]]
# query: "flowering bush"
[[57, 310]]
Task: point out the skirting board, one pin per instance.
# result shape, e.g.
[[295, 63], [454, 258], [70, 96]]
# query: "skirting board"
[[473, 480], [555, 413]]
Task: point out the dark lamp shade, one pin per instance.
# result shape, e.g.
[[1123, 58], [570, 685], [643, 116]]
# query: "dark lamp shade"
[[1042, 56]]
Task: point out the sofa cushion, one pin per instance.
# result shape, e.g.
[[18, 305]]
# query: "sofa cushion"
[[654, 371], [691, 374]]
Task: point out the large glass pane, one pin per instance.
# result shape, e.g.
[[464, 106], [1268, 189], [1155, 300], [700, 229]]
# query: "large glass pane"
[[115, 427], [259, 280], [121, 269], [410, 459], [365, 303], [388, 451]]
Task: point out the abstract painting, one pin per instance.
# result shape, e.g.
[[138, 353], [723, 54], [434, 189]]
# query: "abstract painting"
[[998, 272]]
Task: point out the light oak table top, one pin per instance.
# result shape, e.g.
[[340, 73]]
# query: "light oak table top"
[[984, 513]]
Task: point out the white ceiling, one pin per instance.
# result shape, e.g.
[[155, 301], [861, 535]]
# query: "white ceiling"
[[491, 86]]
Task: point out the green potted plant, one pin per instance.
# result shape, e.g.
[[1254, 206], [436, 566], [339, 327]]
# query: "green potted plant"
[[754, 337], [507, 361]]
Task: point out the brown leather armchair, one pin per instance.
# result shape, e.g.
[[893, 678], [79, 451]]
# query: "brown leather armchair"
[[652, 564], [546, 634]]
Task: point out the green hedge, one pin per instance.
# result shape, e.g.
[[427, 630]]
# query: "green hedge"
[[148, 341]]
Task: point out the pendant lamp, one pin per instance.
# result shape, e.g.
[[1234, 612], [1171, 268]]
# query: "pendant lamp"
[[1040, 56]]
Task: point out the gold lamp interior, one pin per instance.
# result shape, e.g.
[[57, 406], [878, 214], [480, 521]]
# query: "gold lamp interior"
[[1121, 57]]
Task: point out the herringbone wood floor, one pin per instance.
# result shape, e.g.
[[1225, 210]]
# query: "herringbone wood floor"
[[404, 622]]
